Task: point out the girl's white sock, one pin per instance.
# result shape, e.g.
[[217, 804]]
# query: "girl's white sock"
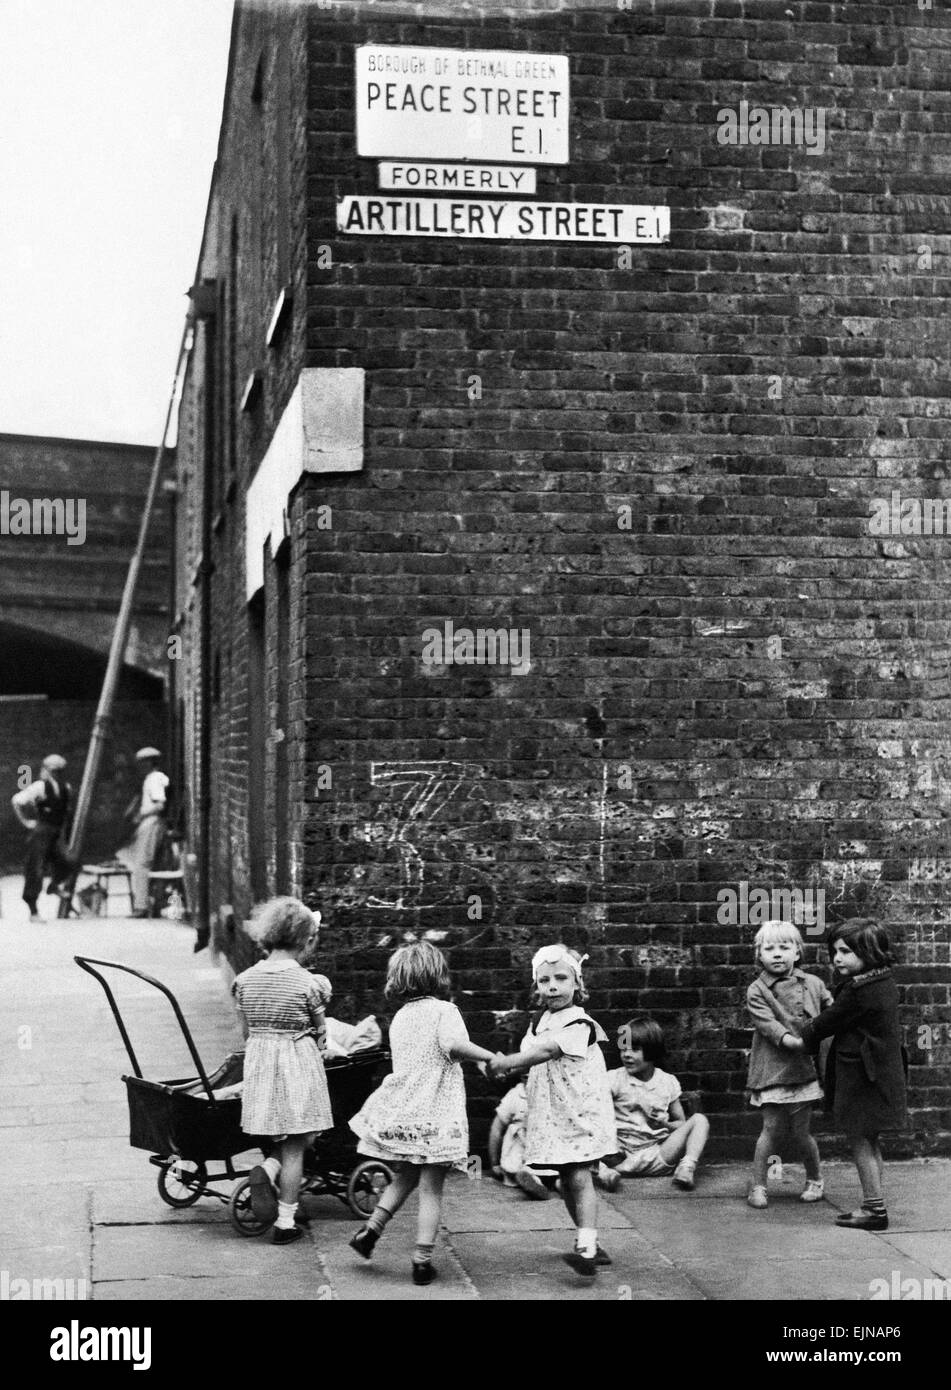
[[285, 1215], [272, 1166], [587, 1241]]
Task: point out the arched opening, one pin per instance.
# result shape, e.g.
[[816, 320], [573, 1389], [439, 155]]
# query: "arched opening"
[[41, 664]]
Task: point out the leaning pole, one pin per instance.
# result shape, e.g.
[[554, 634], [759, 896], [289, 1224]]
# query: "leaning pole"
[[120, 637]]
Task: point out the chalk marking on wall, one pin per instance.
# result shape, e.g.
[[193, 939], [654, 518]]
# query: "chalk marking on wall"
[[424, 782]]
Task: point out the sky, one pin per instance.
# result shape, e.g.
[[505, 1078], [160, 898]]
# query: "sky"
[[109, 116]]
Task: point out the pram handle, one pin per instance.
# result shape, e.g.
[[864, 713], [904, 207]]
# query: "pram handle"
[[87, 962]]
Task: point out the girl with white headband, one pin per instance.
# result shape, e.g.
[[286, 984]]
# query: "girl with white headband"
[[570, 1123]]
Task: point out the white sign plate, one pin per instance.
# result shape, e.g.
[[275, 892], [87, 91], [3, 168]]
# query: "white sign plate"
[[461, 103], [457, 178], [514, 220]]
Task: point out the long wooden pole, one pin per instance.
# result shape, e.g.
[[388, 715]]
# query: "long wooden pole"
[[120, 638]]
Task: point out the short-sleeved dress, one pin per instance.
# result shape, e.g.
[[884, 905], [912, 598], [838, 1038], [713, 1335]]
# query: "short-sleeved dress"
[[418, 1113], [285, 1087], [570, 1110]]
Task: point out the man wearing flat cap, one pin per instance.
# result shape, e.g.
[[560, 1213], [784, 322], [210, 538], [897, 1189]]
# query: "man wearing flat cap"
[[43, 809], [147, 814]]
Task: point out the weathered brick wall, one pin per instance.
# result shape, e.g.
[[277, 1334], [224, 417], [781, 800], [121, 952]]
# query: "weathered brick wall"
[[742, 683], [818, 760]]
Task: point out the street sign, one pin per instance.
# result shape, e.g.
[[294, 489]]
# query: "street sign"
[[513, 220], [456, 178], [467, 104]]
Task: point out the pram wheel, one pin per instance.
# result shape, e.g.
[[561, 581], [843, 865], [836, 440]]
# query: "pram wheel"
[[366, 1186], [181, 1181], [243, 1218]]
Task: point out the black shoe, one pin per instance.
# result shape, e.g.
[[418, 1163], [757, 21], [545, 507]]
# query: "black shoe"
[[601, 1257], [863, 1220], [423, 1272], [287, 1235], [364, 1241], [585, 1265]]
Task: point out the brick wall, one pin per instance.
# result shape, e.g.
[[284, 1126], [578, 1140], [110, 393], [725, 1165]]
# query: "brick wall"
[[732, 680]]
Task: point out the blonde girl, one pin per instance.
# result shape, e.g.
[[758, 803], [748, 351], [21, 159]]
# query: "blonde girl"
[[782, 1081], [285, 1089], [570, 1123], [416, 1119]]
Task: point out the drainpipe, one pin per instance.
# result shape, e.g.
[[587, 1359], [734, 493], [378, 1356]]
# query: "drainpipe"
[[204, 297]]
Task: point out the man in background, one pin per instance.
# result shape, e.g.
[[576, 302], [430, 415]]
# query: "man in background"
[[43, 809], [147, 815]]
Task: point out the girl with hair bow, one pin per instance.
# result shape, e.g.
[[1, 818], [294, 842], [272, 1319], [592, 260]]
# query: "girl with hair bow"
[[570, 1123]]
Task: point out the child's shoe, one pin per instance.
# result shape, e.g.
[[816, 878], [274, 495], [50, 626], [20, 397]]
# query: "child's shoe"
[[585, 1265], [423, 1271], [601, 1257], [364, 1241], [684, 1174], [814, 1191], [263, 1195], [532, 1184], [286, 1235], [864, 1220], [757, 1197]]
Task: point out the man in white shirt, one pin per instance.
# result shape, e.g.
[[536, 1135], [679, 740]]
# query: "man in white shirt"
[[148, 819], [43, 808]]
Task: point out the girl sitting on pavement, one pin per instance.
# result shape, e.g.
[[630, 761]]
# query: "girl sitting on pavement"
[[570, 1116], [285, 1092], [416, 1119], [652, 1129], [782, 1082], [865, 1070]]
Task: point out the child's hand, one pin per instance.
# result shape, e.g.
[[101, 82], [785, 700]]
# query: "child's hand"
[[493, 1068], [793, 1043]]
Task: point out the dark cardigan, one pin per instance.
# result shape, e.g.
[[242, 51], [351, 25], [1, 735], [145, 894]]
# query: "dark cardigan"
[[865, 1077]]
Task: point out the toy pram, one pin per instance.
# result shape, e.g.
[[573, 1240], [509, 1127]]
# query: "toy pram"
[[187, 1124]]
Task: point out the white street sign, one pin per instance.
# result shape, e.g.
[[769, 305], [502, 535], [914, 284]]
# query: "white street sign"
[[514, 220], [456, 178], [454, 103]]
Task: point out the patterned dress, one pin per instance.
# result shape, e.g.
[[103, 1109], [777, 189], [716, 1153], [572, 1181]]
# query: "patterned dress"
[[418, 1113], [285, 1088], [570, 1110]]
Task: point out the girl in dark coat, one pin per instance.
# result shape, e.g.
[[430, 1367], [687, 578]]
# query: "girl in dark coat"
[[865, 1079]]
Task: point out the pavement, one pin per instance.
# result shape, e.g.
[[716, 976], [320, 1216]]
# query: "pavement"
[[82, 1205]]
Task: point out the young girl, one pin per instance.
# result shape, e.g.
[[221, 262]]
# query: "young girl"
[[570, 1113], [416, 1119], [782, 1080], [285, 1090], [656, 1137], [865, 1073]]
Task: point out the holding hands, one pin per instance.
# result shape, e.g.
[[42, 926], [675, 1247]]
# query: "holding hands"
[[496, 1067]]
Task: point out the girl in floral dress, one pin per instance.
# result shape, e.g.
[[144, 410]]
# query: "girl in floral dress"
[[416, 1119], [570, 1110]]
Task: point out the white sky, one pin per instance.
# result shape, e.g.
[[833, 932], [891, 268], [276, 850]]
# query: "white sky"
[[109, 115]]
